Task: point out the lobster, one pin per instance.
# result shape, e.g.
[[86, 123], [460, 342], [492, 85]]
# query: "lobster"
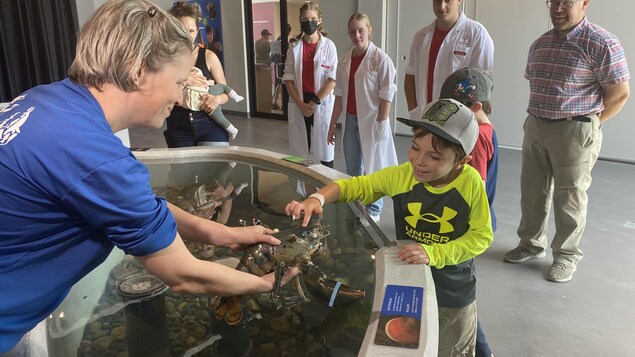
[[297, 247]]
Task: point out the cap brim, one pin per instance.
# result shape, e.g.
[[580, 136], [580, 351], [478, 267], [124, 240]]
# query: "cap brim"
[[430, 127]]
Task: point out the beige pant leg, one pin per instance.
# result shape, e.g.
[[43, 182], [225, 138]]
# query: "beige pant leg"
[[574, 159], [457, 331], [557, 162], [536, 186]]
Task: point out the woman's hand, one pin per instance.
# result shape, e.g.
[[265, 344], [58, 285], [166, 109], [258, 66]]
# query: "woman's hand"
[[209, 103], [306, 108], [195, 79], [241, 238], [330, 138], [414, 254], [288, 275]]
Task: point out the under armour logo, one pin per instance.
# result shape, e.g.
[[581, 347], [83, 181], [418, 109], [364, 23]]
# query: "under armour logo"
[[444, 225]]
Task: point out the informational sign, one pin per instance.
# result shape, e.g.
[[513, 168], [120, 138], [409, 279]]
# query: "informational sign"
[[400, 317]]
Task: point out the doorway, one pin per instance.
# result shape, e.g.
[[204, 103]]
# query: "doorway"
[[270, 25]]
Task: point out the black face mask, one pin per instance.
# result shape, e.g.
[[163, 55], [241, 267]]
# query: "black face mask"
[[309, 27]]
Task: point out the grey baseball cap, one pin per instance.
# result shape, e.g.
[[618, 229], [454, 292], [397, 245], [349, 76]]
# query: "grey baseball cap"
[[468, 85], [450, 120]]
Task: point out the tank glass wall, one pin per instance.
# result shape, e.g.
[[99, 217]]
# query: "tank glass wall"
[[96, 321]]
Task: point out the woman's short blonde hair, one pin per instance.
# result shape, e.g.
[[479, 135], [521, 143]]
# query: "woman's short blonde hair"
[[121, 37]]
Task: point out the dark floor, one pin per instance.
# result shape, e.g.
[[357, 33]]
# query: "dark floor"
[[523, 314]]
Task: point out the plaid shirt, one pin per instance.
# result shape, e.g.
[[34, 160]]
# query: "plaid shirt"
[[566, 76]]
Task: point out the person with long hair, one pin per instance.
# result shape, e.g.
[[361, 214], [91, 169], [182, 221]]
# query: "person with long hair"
[[309, 76], [364, 91], [187, 127]]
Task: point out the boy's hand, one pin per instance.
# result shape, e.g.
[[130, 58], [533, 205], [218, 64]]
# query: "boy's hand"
[[309, 207], [414, 254]]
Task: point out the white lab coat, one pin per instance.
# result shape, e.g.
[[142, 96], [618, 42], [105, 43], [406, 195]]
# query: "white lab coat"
[[325, 65], [374, 81], [468, 44]]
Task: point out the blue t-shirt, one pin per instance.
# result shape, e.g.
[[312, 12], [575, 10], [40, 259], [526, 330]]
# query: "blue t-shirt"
[[70, 192]]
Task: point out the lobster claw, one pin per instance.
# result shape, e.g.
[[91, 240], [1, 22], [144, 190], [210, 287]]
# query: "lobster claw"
[[328, 291], [227, 308], [277, 282]]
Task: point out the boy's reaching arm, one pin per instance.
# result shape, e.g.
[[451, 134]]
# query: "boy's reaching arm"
[[367, 189]]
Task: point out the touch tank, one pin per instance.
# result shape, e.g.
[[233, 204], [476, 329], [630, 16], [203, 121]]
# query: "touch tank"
[[120, 310]]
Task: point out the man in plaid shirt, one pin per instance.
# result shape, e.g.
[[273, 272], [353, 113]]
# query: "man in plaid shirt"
[[578, 78]]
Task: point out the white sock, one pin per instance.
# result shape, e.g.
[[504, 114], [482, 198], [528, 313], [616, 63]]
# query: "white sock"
[[233, 131], [240, 188], [235, 97]]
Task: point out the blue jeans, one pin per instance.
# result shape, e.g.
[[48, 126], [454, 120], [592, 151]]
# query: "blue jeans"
[[353, 158], [187, 128], [482, 347]]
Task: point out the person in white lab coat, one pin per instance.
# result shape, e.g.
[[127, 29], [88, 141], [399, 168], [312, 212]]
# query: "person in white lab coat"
[[449, 43], [364, 90], [309, 75]]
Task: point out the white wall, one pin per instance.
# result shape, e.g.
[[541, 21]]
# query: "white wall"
[[335, 16], [513, 25], [513, 34], [234, 48], [376, 11]]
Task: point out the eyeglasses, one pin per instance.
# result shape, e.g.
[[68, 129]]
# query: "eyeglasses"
[[567, 4]]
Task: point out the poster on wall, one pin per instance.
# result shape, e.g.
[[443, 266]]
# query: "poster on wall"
[[210, 28]]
